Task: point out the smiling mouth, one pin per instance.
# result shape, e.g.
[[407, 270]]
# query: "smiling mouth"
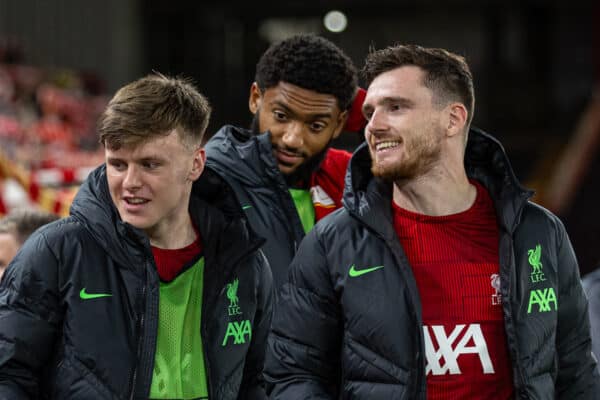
[[134, 201], [386, 145]]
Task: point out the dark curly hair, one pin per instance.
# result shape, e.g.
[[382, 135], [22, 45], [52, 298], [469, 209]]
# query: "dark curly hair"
[[310, 62]]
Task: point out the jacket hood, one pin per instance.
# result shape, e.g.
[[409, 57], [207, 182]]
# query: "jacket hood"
[[213, 207], [223, 225], [94, 208], [242, 154], [485, 161]]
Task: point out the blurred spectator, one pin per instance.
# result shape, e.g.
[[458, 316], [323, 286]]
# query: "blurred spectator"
[[15, 228], [591, 285]]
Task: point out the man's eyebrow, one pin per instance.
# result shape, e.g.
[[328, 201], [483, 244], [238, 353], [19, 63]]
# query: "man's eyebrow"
[[396, 100], [154, 157], [290, 111], [387, 101]]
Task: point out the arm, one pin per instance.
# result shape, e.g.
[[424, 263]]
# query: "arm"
[[28, 319], [577, 370], [303, 353], [253, 387]]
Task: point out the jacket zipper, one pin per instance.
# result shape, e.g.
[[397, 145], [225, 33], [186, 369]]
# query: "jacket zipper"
[[206, 364], [419, 377], [519, 392], [139, 346]]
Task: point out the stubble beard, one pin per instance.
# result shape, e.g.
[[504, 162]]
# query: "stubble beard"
[[420, 155]]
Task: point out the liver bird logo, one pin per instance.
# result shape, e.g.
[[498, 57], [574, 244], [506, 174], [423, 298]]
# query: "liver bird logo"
[[534, 259], [232, 293], [495, 282]]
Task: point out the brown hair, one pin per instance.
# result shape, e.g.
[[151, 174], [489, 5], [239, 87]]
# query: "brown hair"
[[152, 106], [446, 74], [23, 222]]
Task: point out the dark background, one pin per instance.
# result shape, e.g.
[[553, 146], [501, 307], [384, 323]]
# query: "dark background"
[[535, 63]]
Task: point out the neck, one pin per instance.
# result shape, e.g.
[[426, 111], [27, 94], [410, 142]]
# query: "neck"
[[176, 235], [439, 192]]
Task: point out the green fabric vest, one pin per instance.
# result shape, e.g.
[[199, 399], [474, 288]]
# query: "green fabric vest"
[[179, 371], [305, 208]]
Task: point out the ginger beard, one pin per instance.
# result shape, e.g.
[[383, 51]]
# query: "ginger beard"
[[414, 155]]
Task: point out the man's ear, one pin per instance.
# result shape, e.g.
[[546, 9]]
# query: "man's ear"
[[457, 119], [255, 99], [198, 164], [341, 123]]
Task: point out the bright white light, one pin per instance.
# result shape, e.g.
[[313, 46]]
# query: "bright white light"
[[335, 21]]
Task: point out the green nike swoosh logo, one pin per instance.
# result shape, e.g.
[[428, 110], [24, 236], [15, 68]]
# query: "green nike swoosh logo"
[[87, 296], [246, 207], [358, 272]]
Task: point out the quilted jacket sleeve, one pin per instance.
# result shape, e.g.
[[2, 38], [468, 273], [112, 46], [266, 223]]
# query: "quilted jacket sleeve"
[[253, 383], [577, 370], [302, 359], [29, 317]]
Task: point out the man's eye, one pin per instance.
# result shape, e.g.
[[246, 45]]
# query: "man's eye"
[[317, 126], [119, 166], [151, 164], [279, 116]]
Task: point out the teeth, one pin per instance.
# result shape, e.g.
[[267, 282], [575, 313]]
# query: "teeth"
[[136, 201], [386, 145]]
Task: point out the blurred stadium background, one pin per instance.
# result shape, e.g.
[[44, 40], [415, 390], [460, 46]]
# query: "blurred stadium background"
[[536, 65]]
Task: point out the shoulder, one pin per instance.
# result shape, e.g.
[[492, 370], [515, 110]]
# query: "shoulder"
[[335, 227], [539, 226], [42, 253], [336, 158], [228, 138], [234, 152], [54, 243], [538, 218], [65, 230]]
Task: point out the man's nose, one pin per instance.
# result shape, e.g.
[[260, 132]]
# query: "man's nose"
[[377, 122], [294, 135], [132, 178]]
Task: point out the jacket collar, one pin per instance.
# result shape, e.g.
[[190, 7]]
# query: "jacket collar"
[[369, 197], [213, 207], [486, 161], [222, 223]]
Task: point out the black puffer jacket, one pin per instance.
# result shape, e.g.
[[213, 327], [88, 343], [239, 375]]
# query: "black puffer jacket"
[[334, 336], [246, 161], [54, 344]]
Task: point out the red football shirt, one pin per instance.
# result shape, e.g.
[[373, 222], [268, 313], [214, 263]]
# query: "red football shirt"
[[454, 259], [170, 262]]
